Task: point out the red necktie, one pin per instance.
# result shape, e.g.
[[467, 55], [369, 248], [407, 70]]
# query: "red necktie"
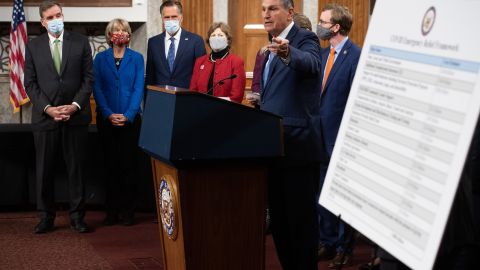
[[331, 56]]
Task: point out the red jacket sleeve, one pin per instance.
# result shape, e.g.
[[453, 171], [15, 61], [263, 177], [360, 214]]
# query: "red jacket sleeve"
[[238, 84]]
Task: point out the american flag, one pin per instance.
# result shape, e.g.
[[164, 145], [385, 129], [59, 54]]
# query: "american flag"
[[18, 39]]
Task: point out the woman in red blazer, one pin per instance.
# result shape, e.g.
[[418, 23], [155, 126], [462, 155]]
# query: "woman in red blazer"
[[220, 73]]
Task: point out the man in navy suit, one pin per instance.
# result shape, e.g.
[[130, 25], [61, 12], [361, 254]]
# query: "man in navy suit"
[[290, 88], [339, 62], [172, 54]]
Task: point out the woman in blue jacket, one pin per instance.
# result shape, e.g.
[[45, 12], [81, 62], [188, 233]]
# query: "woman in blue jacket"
[[118, 92]]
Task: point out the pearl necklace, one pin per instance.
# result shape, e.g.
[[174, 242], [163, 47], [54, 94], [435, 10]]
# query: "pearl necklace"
[[214, 61]]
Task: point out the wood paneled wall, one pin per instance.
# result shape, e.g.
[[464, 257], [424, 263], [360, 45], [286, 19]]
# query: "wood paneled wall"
[[197, 16], [247, 42], [360, 10], [76, 3]]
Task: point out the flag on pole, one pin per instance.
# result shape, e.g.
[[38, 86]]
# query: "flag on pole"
[[18, 39]]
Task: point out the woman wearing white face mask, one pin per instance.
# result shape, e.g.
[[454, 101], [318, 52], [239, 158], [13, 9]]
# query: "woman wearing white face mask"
[[220, 73]]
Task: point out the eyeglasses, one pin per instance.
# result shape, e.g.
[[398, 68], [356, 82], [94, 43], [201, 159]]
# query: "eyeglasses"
[[324, 22]]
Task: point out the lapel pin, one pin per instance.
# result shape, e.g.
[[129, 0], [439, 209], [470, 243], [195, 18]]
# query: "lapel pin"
[[345, 52], [186, 38], [202, 66]]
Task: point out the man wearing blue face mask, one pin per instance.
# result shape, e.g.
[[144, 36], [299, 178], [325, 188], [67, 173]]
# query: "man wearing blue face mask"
[[59, 81], [172, 54]]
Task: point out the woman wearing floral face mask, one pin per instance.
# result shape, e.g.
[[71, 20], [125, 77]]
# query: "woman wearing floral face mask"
[[118, 92], [220, 73]]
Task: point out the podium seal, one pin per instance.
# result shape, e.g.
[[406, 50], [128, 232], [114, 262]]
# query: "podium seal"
[[428, 20], [168, 207]]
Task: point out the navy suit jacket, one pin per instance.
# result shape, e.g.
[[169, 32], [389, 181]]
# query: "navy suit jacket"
[[119, 91], [292, 91], [336, 91], [190, 47]]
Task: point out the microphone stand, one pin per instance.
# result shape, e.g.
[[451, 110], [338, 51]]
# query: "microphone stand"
[[221, 82]]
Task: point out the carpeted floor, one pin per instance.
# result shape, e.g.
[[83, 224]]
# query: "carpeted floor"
[[114, 247], [62, 249]]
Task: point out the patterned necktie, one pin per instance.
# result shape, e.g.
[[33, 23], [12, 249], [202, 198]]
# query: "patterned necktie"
[[57, 62], [331, 57], [267, 69], [171, 53]]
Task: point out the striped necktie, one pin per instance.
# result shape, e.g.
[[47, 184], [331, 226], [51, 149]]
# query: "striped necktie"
[[171, 53]]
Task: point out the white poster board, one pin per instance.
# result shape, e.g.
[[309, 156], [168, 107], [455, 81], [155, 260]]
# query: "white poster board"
[[408, 125]]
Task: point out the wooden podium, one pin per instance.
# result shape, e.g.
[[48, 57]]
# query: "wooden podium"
[[209, 165]]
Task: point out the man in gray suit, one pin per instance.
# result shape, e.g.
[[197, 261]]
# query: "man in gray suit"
[[59, 80]]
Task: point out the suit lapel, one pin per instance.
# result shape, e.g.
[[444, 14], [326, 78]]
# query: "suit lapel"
[[182, 44], [111, 60], [65, 50], [324, 60], [45, 50], [127, 57], [163, 56], [338, 62]]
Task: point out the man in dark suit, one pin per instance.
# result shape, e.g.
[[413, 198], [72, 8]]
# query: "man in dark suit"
[[58, 80], [339, 62], [172, 54], [290, 88]]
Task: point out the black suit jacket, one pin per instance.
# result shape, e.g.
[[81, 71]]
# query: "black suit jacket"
[[45, 86]]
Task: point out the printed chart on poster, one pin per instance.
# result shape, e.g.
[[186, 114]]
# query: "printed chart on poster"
[[407, 126]]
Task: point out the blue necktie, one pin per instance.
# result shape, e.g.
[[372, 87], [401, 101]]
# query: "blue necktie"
[[171, 53], [267, 68]]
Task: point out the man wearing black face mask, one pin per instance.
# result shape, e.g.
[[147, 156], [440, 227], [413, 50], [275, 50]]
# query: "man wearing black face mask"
[[339, 62]]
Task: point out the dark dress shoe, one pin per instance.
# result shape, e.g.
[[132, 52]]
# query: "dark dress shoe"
[[110, 219], [44, 226], [369, 266], [326, 253], [341, 258], [374, 264], [128, 219], [79, 226]]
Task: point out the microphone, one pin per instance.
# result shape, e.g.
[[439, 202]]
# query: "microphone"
[[221, 82]]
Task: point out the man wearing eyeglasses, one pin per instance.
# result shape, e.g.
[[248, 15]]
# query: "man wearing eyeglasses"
[[339, 62]]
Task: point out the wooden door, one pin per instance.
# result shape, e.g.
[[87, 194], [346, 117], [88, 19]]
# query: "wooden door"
[[197, 16], [360, 10], [245, 19]]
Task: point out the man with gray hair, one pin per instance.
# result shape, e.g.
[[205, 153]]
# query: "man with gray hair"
[[290, 88]]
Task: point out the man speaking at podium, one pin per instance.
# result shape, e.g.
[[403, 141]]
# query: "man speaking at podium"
[[290, 88]]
